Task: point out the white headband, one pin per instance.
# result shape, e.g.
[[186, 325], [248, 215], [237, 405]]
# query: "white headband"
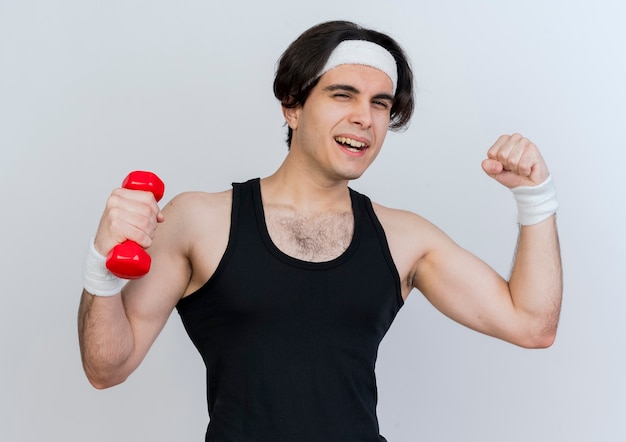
[[365, 53]]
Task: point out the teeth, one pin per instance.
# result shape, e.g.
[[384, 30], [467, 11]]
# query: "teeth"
[[350, 142]]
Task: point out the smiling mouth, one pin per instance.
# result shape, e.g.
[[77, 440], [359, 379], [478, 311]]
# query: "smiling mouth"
[[350, 144]]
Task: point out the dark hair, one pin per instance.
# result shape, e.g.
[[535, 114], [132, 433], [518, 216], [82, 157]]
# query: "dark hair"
[[300, 64]]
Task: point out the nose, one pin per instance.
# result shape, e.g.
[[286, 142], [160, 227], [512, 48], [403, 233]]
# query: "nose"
[[361, 113]]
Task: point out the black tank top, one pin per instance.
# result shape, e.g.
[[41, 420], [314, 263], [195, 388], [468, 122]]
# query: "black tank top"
[[290, 346]]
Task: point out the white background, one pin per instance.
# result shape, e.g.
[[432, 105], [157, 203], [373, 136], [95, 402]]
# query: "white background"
[[91, 90]]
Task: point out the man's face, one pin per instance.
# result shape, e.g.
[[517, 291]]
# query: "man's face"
[[340, 129]]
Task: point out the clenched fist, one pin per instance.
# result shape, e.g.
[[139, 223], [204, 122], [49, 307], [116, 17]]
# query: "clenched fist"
[[515, 161]]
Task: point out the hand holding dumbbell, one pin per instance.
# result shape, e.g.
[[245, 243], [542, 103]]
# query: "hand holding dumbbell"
[[128, 259]]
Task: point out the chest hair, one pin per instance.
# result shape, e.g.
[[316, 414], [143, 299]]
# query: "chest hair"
[[314, 237]]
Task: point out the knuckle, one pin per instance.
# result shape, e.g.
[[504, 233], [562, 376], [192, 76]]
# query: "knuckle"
[[112, 202], [502, 155], [145, 241], [146, 225], [115, 225]]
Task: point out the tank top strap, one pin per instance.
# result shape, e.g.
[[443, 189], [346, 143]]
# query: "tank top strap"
[[372, 228]]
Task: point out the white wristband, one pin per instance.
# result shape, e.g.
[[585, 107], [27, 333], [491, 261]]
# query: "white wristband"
[[97, 279], [535, 203]]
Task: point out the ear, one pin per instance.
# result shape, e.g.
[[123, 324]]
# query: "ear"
[[292, 116]]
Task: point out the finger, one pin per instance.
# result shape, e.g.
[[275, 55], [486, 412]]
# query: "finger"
[[129, 215], [495, 170], [492, 167], [495, 148], [526, 161], [513, 160], [516, 154], [136, 201], [123, 225]]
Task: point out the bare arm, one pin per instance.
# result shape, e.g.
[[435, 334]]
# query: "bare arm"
[[105, 337], [536, 282], [116, 332], [523, 310]]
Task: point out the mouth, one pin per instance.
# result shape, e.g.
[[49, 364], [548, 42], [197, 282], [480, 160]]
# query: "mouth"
[[351, 145]]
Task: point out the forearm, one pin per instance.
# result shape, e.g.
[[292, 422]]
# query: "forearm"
[[106, 339], [536, 282]]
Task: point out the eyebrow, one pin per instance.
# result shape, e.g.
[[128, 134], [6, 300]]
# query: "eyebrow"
[[348, 88]]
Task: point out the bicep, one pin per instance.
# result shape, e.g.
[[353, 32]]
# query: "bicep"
[[466, 289], [149, 301]]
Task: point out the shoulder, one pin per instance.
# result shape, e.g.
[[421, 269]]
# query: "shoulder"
[[199, 201], [411, 238], [197, 224], [188, 207], [403, 222], [190, 215]]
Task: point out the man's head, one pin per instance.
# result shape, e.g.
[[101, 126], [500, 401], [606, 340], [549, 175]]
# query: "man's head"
[[307, 58]]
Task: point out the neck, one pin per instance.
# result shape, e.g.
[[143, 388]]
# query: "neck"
[[300, 189]]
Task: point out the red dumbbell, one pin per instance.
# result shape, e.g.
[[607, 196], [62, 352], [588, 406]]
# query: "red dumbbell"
[[129, 260]]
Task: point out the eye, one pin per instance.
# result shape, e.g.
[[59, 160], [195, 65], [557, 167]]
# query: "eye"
[[341, 95], [382, 104]]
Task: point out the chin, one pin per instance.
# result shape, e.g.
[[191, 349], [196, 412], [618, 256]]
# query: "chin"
[[350, 176], [350, 171]]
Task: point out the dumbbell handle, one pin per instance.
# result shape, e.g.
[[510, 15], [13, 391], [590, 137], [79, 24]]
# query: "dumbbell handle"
[[128, 259]]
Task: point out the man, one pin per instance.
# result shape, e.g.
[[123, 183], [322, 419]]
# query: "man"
[[287, 284]]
